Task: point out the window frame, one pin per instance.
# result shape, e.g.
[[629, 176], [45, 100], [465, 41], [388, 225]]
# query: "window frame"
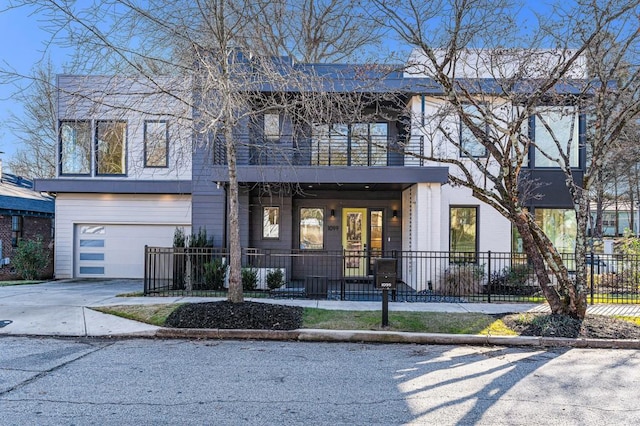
[[267, 124], [17, 229], [166, 144], [61, 147], [463, 129], [459, 256], [333, 144], [266, 222], [321, 229], [576, 143], [96, 146]]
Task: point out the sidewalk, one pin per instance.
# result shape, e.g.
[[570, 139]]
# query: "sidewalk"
[[61, 308]]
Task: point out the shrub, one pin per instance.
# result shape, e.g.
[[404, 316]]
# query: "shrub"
[[30, 259], [275, 279], [462, 280], [512, 280], [200, 239], [249, 279], [179, 238], [214, 274]]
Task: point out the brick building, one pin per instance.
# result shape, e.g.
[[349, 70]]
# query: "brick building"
[[24, 214]]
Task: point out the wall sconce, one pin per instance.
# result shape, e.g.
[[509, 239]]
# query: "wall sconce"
[[333, 213], [395, 214]]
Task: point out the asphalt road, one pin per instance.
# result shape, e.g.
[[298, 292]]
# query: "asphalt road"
[[49, 381]]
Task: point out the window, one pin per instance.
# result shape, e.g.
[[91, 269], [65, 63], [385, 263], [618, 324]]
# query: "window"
[[358, 144], [111, 147], [311, 229], [75, 147], [16, 230], [556, 124], [560, 226], [156, 144], [271, 222], [272, 127], [463, 233], [470, 146]]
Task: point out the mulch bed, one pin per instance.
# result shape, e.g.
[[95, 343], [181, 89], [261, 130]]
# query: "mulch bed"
[[246, 315], [593, 326]]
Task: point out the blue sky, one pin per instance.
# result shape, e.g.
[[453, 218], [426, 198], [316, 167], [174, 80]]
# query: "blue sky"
[[23, 45]]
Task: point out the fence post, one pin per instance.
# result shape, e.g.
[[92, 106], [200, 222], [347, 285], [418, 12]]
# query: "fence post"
[[146, 270], [591, 274], [489, 277]]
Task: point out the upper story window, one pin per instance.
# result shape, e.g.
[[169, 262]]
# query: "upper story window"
[[111, 147], [75, 147], [553, 128], [470, 145], [358, 144], [272, 127], [156, 144]]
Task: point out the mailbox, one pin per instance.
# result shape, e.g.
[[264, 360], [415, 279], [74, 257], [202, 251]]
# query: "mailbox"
[[385, 273]]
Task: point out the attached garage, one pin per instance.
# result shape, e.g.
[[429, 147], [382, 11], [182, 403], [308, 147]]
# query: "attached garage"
[[116, 251], [103, 235]]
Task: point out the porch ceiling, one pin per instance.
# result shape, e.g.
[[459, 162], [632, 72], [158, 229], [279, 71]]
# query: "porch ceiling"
[[338, 178]]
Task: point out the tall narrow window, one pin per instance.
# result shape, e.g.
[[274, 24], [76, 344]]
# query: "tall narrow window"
[[311, 228], [271, 222], [111, 139], [156, 144], [272, 127], [555, 128], [16, 230], [75, 147], [463, 233], [470, 145]]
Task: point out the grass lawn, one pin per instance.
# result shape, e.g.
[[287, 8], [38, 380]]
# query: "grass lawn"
[[423, 322], [19, 282]]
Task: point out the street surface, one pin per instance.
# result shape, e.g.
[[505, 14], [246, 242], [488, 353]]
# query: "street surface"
[[49, 381]]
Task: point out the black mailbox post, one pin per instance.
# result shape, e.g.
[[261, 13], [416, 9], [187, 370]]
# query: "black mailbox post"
[[385, 277]]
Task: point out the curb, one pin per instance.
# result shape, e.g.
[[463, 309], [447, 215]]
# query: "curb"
[[357, 336]]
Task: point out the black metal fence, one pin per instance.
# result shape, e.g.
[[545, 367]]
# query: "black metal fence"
[[348, 275]]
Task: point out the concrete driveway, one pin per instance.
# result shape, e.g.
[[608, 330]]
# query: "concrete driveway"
[[60, 308]]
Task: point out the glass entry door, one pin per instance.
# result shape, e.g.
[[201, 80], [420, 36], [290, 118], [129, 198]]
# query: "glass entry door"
[[354, 241], [375, 238]]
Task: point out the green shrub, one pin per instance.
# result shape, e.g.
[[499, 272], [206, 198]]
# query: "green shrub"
[[249, 279], [179, 238], [214, 274], [200, 239], [30, 258], [275, 279]]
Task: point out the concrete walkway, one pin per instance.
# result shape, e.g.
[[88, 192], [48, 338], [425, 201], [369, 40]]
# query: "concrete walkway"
[[61, 308]]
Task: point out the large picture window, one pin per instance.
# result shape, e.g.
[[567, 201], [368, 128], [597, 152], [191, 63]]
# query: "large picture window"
[[470, 146], [463, 233], [271, 222], [560, 226], [556, 126], [75, 147], [358, 144], [311, 229], [156, 144], [111, 148]]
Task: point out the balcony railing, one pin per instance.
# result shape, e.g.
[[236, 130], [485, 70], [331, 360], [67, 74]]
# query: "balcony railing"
[[347, 275]]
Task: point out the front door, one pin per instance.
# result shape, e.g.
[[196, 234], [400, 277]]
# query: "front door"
[[354, 241]]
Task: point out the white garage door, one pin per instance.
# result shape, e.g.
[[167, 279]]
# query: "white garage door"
[[117, 251]]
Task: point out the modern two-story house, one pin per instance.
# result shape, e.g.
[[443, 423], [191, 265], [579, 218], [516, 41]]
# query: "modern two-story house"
[[132, 169]]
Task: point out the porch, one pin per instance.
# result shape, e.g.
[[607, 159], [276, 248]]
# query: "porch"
[[348, 275]]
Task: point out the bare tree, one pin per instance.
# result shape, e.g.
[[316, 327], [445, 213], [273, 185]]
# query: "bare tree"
[[224, 48], [492, 90], [36, 127]]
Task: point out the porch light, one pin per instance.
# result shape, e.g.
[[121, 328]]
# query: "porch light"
[[333, 213], [395, 214]]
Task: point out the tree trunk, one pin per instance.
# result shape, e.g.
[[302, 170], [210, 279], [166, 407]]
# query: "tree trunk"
[[235, 294]]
